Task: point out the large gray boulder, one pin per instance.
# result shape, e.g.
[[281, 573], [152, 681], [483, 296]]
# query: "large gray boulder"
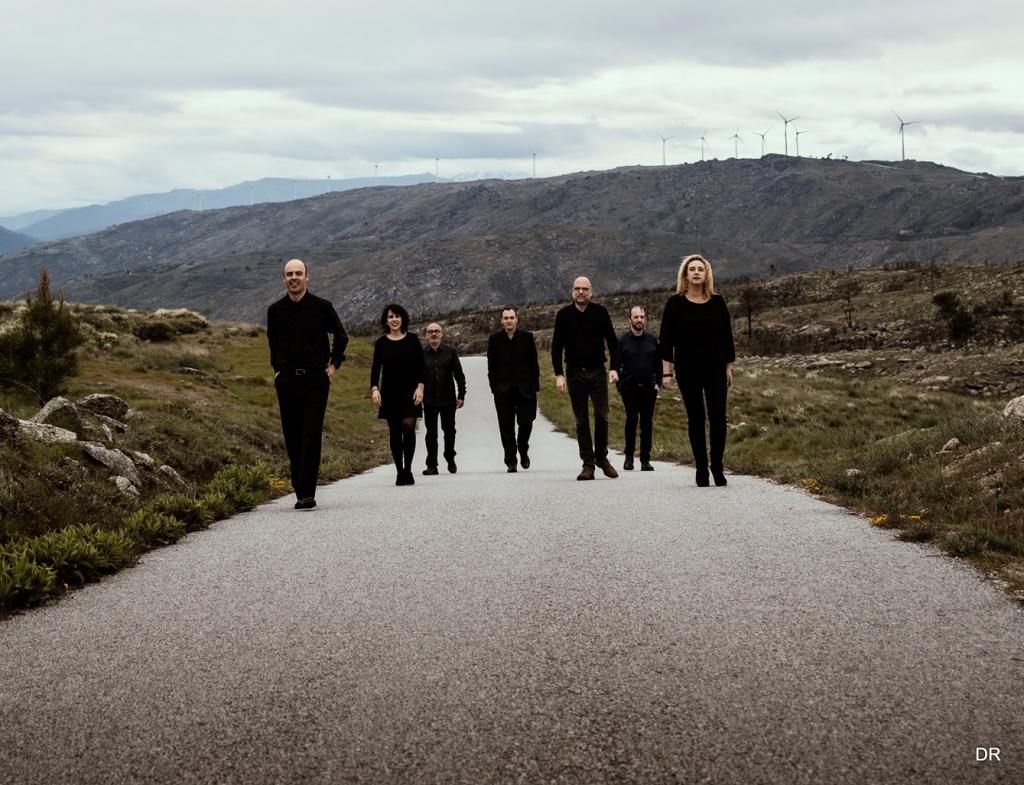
[[115, 460], [1015, 409], [107, 405], [60, 412], [49, 434]]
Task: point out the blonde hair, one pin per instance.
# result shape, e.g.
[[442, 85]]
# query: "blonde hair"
[[709, 280]]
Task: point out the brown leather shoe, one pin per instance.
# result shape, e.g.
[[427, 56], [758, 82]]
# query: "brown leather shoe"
[[587, 473], [608, 469]]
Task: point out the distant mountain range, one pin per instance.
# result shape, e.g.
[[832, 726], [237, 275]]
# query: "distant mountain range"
[[12, 241], [60, 224], [444, 246]]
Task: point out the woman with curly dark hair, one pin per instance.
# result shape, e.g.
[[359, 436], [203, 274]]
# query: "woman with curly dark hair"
[[396, 386], [696, 337]]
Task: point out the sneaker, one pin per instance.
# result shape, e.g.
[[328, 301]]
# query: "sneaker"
[[608, 469], [645, 466], [587, 473], [432, 470], [627, 465], [524, 459], [452, 468]]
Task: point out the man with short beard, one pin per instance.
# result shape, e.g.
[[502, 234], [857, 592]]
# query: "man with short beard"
[[582, 329], [299, 326], [639, 381]]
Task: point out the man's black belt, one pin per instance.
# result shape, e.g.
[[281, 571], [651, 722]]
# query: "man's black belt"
[[298, 371], [585, 368]]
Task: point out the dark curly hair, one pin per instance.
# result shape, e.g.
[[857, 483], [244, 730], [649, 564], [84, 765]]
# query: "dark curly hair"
[[397, 310]]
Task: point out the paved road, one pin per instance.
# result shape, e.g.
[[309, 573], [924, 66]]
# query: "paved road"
[[486, 628]]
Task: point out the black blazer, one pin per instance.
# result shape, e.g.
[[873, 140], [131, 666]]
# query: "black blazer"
[[512, 363]]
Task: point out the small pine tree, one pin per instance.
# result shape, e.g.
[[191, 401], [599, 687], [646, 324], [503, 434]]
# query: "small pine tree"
[[39, 354]]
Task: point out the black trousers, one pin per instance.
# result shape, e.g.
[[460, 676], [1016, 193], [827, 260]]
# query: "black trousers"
[[303, 404], [586, 386], [515, 409], [447, 417], [638, 401], [699, 386]]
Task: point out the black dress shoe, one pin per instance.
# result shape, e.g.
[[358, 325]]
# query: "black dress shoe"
[[703, 480], [719, 475], [645, 466], [511, 468], [433, 470], [524, 459], [452, 468], [627, 465], [305, 504]]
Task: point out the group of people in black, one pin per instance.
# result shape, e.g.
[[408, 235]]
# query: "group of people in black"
[[409, 381]]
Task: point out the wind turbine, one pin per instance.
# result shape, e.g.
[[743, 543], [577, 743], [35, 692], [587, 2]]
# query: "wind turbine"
[[664, 139], [785, 127], [903, 147], [736, 143], [797, 135], [375, 170], [437, 168], [763, 144], [703, 142], [534, 156]]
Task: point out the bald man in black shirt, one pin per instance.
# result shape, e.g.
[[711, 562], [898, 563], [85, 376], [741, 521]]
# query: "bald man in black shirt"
[[299, 326]]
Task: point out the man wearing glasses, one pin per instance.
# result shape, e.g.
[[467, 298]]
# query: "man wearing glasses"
[[440, 397]]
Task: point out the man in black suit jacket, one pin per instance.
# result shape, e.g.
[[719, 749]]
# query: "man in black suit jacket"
[[513, 372]]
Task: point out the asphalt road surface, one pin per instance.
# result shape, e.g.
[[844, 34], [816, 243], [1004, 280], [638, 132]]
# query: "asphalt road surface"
[[494, 628]]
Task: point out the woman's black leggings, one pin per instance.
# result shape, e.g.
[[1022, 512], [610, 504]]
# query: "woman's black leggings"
[[698, 386], [402, 433]]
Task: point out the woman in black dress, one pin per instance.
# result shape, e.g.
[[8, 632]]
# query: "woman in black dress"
[[396, 386], [696, 336]]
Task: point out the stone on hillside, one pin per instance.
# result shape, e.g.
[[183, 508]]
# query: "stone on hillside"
[[50, 434], [126, 487], [144, 459], [111, 423], [951, 445], [935, 380], [61, 412], [115, 460], [169, 474], [107, 405], [854, 472], [1015, 409], [863, 365]]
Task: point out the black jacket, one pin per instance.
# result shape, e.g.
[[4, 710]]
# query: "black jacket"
[[442, 371], [512, 363], [298, 334], [581, 336], [696, 335]]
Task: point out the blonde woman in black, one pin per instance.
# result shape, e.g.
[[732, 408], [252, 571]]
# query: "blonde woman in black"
[[696, 338], [396, 386]]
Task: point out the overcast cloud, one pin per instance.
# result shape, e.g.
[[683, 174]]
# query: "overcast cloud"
[[103, 100]]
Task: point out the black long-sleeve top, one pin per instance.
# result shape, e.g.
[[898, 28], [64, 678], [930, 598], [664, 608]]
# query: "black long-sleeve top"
[[443, 371], [639, 360], [299, 333], [697, 335], [582, 336], [512, 363]]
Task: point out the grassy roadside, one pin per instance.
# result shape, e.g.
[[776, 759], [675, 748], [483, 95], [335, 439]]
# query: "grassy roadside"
[[874, 445], [63, 522]]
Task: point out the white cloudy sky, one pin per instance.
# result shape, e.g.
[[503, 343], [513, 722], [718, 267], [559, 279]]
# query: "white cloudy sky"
[[102, 99]]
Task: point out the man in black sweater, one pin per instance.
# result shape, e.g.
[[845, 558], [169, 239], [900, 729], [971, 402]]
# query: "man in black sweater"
[[639, 380], [443, 371], [513, 372], [298, 328], [581, 332]]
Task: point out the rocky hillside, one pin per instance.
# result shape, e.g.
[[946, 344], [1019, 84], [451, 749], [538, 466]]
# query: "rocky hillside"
[[455, 245], [13, 241]]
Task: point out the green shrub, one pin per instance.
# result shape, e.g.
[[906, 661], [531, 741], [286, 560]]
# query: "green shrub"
[[151, 529], [23, 582], [190, 511], [156, 331], [216, 505], [968, 542], [79, 554], [242, 486]]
